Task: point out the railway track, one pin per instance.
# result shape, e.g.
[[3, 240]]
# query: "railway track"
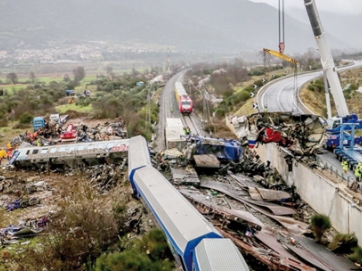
[[194, 128]]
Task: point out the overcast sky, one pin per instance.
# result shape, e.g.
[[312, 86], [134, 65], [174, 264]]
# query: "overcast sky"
[[337, 6]]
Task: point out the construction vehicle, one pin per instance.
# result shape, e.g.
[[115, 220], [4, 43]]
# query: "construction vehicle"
[[348, 152], [38, 123], [338, 126], [59, 119]]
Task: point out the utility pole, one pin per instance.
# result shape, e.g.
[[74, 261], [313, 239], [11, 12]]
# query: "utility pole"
[[168, 59]]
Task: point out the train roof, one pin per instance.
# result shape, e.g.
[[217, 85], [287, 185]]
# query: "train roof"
[[178, 218], [64, 151], [140, 155], [219, 255], [180, 89], [174, 122]]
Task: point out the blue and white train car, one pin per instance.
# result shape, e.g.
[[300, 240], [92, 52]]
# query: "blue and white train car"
[[140, 157], [182, 224], [218, 255]]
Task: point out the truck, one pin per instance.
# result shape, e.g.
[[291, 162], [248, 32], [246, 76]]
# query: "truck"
[[338, 126], [346, 150], [59, 119], [38, 123]]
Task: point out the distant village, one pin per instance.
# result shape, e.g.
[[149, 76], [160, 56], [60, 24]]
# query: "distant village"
[[88, 52]]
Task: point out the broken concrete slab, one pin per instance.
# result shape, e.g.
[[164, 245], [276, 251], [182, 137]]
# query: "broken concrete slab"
[[206, 161], [187, 175]]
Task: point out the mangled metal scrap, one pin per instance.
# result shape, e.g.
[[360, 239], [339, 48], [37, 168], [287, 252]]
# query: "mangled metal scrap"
[[104, 177], [226, 216], [251, 165], [301, 134]]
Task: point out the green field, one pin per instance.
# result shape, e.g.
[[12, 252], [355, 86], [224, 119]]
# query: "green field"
[[83, 109]]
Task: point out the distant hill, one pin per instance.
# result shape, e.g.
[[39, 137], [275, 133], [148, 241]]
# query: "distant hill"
[[202, 25]]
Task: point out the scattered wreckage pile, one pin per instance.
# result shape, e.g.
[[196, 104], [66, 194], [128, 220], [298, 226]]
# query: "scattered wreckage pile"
[[301, 134], [269, 226], [19, 193], [51, 134], [105, 177], [249, 203]]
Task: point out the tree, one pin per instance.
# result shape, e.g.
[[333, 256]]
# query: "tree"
[[32, 77], [66, 78], [109, 70], [79, 73], [12, 77]]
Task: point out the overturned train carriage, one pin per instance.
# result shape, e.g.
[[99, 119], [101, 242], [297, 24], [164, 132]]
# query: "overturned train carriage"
[[77, 154], [182, 224], [301, 134]]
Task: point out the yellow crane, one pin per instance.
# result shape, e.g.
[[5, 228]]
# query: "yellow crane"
[[280, 55]]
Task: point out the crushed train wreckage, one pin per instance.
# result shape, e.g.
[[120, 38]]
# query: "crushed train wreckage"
[[301, 134], [73, 155]]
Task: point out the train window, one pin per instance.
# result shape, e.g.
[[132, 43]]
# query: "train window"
[[110, 145], [71, 149], [186, 103], [35, 151], [63, 149], [44, 151], [53, 150]]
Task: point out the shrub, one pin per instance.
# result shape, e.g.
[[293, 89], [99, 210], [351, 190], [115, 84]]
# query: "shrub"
[[149, 253], [25, 118], [343, 243], [357, 255], [319, 224]]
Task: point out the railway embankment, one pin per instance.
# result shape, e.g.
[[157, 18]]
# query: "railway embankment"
[[323, 194]]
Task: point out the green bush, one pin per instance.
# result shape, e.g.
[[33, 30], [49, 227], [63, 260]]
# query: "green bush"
[[343, 243], [151, 253], [319, 224], [25, 118], [357, 255]]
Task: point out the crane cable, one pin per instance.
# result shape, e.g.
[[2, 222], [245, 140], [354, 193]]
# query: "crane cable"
[[282, 43], [281, 26]]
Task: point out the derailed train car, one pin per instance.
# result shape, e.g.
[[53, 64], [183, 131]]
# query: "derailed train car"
[[301, 134], [182, 224], [90, 153]]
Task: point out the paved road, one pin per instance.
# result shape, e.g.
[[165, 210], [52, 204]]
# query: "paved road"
[[281, 96]]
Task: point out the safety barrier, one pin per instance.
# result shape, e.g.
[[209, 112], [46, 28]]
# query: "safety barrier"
[[338, 173]]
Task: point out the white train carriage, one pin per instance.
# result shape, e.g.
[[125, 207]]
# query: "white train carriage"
[[218, 255], [183, 225], [140, 156]]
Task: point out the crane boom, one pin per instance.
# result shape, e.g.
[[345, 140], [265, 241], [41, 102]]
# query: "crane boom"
[[326, 58]]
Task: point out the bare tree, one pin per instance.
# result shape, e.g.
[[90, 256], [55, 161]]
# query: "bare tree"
[[66, 78], [32, 77], [12, 77], [79, 73]]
